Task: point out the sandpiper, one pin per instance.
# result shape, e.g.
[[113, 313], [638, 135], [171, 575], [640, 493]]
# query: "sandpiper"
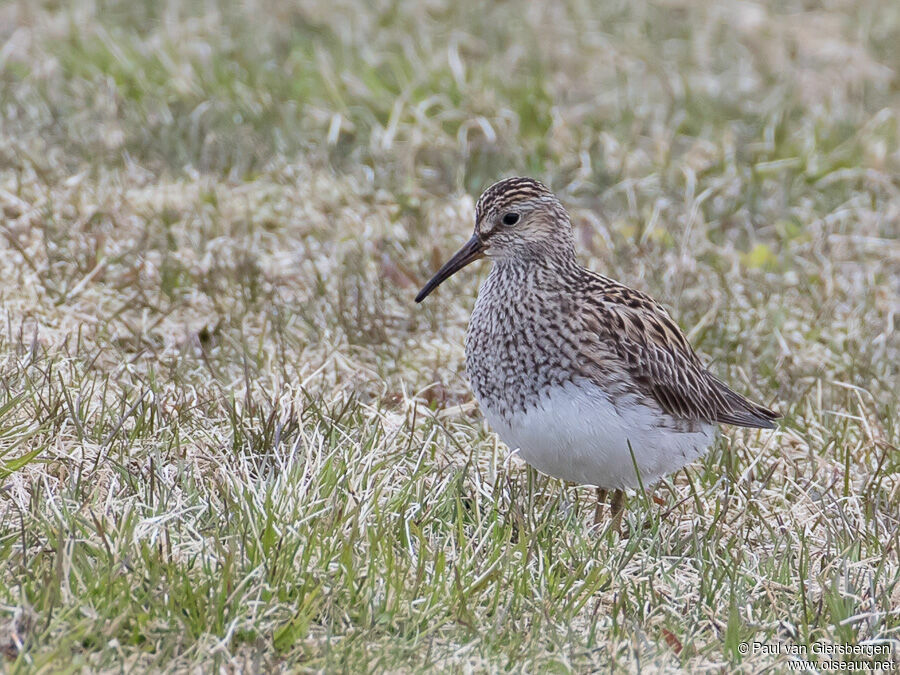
[[591, 381]]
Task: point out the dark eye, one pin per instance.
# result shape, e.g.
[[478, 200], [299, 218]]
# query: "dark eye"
[[510, 218]]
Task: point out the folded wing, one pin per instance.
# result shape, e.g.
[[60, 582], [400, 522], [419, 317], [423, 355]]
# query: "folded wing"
[[646, 342]]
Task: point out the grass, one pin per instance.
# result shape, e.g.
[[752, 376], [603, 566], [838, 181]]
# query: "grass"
[[229, 439]]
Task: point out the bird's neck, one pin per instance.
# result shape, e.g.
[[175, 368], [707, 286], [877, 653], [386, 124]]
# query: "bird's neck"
[[526, 271]]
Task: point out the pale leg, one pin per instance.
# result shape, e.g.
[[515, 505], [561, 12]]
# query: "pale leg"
[[598, 507], [617, 507]]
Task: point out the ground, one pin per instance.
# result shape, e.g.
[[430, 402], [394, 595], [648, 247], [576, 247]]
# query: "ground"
[[230, 440]]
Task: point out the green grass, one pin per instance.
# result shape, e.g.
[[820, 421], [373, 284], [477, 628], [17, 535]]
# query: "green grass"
[[228, 437]]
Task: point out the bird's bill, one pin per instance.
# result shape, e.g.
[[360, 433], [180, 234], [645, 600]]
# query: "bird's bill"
[[470, 252]]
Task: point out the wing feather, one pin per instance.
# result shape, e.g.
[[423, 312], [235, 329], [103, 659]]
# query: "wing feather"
[[662, 364]]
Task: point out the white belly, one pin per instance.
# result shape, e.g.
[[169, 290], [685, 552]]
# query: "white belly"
[[577, 434]]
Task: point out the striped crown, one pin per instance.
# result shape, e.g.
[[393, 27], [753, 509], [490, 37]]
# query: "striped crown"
[[509, 191]]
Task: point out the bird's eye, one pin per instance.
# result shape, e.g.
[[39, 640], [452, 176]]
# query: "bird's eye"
[[510, 218]]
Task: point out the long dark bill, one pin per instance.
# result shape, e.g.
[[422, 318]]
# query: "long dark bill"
[[472, 251]]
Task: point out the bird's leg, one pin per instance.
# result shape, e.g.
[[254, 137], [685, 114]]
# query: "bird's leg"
[[617, 508], [598, 507]]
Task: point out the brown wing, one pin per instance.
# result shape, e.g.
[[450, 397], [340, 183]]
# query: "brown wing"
[[662, 364]]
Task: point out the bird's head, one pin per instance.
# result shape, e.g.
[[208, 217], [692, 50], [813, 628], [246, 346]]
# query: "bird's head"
[[515, 219]]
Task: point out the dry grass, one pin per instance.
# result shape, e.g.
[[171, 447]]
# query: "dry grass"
[[228, 439]]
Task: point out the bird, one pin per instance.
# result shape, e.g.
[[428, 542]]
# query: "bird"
[[590, 381]]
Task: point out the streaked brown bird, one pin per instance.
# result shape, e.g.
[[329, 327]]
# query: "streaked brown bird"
[[591, 381]]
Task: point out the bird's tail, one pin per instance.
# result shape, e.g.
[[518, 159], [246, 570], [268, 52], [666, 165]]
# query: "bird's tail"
[[741, 411]]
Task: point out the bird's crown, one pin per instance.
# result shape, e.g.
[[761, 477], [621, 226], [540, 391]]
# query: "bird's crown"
[[507, 192]]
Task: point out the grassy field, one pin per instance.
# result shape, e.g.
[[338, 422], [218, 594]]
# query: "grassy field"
[[228, 438]]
